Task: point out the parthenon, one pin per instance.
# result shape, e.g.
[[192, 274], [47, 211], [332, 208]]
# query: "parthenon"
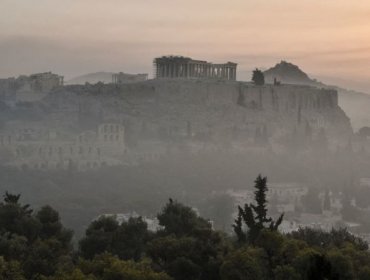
[[185, 67]]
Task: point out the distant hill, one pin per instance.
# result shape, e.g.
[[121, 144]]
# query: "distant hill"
[[92, 78], [355, 104], [288, 73]]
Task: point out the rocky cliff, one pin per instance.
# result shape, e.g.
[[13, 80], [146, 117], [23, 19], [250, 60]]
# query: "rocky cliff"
[[217, 110], [355, 104]]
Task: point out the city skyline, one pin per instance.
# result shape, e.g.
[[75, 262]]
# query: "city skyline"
[[327, 39]]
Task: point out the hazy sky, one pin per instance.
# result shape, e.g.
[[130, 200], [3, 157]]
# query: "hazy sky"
[[327, 38]]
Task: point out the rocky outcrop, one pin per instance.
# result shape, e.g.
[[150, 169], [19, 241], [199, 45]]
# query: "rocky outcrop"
[[288, 73], [220, 110]]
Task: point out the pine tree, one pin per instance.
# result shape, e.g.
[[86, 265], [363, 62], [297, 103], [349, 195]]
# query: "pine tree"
[[258, 78], [255, 216]]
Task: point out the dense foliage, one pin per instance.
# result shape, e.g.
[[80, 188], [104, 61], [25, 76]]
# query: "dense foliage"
[[36, 246], [258, 78]]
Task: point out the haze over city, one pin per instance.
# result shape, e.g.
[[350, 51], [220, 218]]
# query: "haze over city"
[[184, 140], [73, 37]]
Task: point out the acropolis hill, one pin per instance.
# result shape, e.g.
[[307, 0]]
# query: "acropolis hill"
[[215, 107], [190, 103]]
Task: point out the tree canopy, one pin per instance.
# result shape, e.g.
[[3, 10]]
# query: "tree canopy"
[[258, 78], [35, 245]]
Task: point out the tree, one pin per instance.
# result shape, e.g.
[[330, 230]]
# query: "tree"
[[258, 78], [364, 273], [130, 239], [10, 270], [108, 267], [187, 247], [286, 272], [312, 265], [106, 235], [37, 242], [241, 265], [176, 255], [98, 237], [181, 220], [16, 218], [255, 216], [335, 238], [51, 226], [341, 266]]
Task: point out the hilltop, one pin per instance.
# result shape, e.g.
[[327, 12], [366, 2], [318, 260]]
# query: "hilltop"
[[354, 103], [288, 73]]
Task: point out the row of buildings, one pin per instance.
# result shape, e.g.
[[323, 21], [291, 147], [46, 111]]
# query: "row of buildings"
[[36, 147], [165, 67]]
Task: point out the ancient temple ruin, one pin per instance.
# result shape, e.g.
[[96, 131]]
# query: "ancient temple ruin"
[[185, 67]]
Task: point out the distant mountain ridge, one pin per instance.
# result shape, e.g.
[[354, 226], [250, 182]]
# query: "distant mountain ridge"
[[91, 78], [355, 104]]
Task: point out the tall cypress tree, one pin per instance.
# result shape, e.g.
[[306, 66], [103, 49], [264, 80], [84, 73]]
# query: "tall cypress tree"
[[254, 216]]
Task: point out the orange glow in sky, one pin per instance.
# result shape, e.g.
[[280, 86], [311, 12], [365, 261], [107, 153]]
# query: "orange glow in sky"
[[327, 38]]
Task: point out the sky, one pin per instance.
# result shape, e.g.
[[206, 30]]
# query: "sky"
[[329, 39]]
